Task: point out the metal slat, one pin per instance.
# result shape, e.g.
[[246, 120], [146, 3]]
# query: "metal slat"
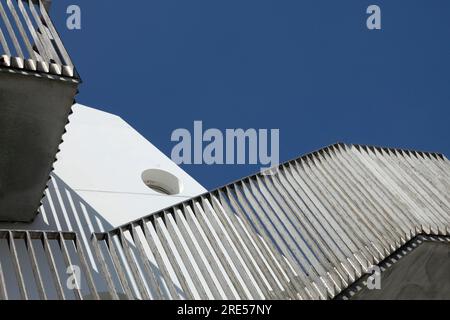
[[35, 267], [153, 280], [20, 27], [334, 225], [378, 191], [234, 212], [259, 221], [378, 245], [249, 254], [86, 269], [324, 224], [318, 231], [388, 181], [420, 186], [373, 218], [432, 174], [49, 24], [17, 267], [221, 252], [286, 239], [104, 267], [344, 225], [118, 266], [132, 263], [65, 253], [409, 186], [171, 255], [315, 269], [216, 264], [369, 239], [200, 258], [45, 37], [328, 272], [374, 194], [159, 260], [52, 265], [183, 252], [3, 291], [233, 251], [36, 38], [10, 29], [4, 43]]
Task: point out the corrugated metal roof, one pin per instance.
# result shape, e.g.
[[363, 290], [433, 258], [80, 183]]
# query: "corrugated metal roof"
[[307, 232]]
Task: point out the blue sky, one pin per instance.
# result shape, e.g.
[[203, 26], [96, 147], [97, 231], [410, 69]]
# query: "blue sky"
[[310, 68]]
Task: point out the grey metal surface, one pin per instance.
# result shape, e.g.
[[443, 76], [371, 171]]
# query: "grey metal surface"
[[29, 41], [419, 270], [307, 232], [33, 114]]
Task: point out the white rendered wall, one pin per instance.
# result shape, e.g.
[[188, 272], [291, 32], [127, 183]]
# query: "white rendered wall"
[[98, 175], [102, 159], [96, 185]]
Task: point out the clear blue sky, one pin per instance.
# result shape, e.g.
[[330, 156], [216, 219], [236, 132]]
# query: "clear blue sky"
[[309, 68]]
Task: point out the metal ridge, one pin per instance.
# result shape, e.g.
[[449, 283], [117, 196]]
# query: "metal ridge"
[[305, 156]]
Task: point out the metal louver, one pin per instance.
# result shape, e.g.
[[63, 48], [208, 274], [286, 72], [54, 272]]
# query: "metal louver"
[[308, 232]]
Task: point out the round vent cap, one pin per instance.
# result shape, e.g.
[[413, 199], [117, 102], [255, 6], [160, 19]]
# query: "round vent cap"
[[162, 182]]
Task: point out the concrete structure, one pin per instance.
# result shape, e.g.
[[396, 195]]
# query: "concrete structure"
[[419, 270], [38, 86]]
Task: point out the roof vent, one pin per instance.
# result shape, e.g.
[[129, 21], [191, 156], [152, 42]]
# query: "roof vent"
[[162, 182]]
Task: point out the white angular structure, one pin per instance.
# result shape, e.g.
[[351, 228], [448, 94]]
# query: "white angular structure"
[[97, 183], [101, 163], [103, 159]]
